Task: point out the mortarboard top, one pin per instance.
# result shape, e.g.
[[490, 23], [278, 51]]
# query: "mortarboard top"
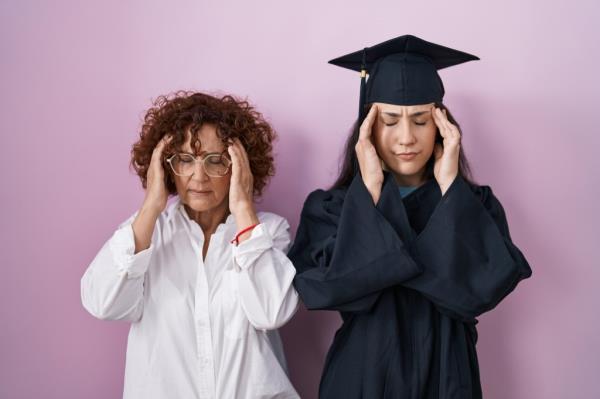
[[402, 71]]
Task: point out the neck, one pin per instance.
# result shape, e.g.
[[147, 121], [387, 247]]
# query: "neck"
[[413, 180], [210, 219]]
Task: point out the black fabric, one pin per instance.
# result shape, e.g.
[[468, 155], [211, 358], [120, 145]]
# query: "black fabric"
[[409, 277]]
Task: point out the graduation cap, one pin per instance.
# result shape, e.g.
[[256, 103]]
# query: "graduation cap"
[[402, 71]]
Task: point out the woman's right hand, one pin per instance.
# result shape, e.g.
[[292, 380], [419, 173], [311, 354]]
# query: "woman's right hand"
[[368, 159], [156, 190]]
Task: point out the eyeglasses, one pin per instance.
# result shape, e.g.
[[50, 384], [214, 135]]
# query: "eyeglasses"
[[214, 165]]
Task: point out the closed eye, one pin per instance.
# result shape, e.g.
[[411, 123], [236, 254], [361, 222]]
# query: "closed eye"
[[389, 121]]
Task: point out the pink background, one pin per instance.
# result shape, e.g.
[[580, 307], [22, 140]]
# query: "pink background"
[[77, 76]]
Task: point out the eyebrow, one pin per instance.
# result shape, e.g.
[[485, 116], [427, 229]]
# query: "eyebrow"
[[394, 114], [201, 153]]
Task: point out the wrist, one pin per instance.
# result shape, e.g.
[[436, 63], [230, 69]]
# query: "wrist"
[[245, 216], [375, 193], [244, 234], [444, 186], [152, 207]]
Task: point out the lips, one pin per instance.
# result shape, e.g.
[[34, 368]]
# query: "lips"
[[406, 156], [198, 192]]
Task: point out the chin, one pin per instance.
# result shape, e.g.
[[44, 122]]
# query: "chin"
[[201, 205], [408, 168]]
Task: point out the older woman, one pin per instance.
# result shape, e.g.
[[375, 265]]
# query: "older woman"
[[204, 281]]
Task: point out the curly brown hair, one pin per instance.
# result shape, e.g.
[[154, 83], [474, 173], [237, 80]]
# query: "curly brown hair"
[[183, 110]]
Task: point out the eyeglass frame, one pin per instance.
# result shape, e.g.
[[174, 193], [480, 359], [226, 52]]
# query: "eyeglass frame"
[[201, 160]]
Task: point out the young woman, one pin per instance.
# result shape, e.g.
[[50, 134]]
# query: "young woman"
[[204, 280], [404, 245]]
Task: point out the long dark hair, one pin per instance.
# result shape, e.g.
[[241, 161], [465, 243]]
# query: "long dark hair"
[[349, 162]]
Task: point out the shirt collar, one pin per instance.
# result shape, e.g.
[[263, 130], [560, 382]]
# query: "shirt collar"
[[178, 207]]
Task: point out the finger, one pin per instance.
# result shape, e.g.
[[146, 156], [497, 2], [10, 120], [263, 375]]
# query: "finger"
[[232, 150], [228, 147], [242, 153], [445, 121], [444, 118], [366, 126], [438, 121], [245, 174], [454, 132], [235, 163], [450, 127], [164, 141], [241, 175], [240, 146], [162, 144], [235, 148], [450, 131], [436, 117]]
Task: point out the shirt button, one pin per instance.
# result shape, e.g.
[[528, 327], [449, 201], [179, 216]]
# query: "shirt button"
[[205, 361]]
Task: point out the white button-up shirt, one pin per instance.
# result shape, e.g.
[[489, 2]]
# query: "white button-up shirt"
[[199, 326]]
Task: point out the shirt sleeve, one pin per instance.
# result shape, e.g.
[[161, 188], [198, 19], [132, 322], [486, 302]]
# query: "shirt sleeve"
[[112, 287], [265, 274], [346, 253]]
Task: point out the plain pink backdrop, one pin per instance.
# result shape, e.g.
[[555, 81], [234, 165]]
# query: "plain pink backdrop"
[[77, 76]]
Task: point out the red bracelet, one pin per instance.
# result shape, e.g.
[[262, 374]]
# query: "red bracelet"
[[237, 236]]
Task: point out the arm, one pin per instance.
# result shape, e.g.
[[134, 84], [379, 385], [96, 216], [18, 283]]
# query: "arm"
[[265, 275], [470, 262], [112, 287], [346, 253]]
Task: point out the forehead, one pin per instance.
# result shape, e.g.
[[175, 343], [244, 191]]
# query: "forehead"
[[208, 139], [403, 109]]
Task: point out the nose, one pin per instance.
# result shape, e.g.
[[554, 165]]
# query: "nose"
[[199, 172], [404, 134]]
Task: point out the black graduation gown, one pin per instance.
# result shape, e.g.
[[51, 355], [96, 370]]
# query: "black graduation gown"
[[409, 277]]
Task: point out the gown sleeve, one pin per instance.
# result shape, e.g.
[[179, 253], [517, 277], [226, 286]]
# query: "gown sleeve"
[[345, 252], [469, 260]]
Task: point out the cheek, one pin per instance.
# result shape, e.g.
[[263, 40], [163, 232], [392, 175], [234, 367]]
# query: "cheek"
[[221, 186], [180, 183], [381, 138], [427, 139]]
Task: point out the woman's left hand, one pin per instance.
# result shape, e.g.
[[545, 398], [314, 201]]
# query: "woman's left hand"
[[445, 168], [241, 199]]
